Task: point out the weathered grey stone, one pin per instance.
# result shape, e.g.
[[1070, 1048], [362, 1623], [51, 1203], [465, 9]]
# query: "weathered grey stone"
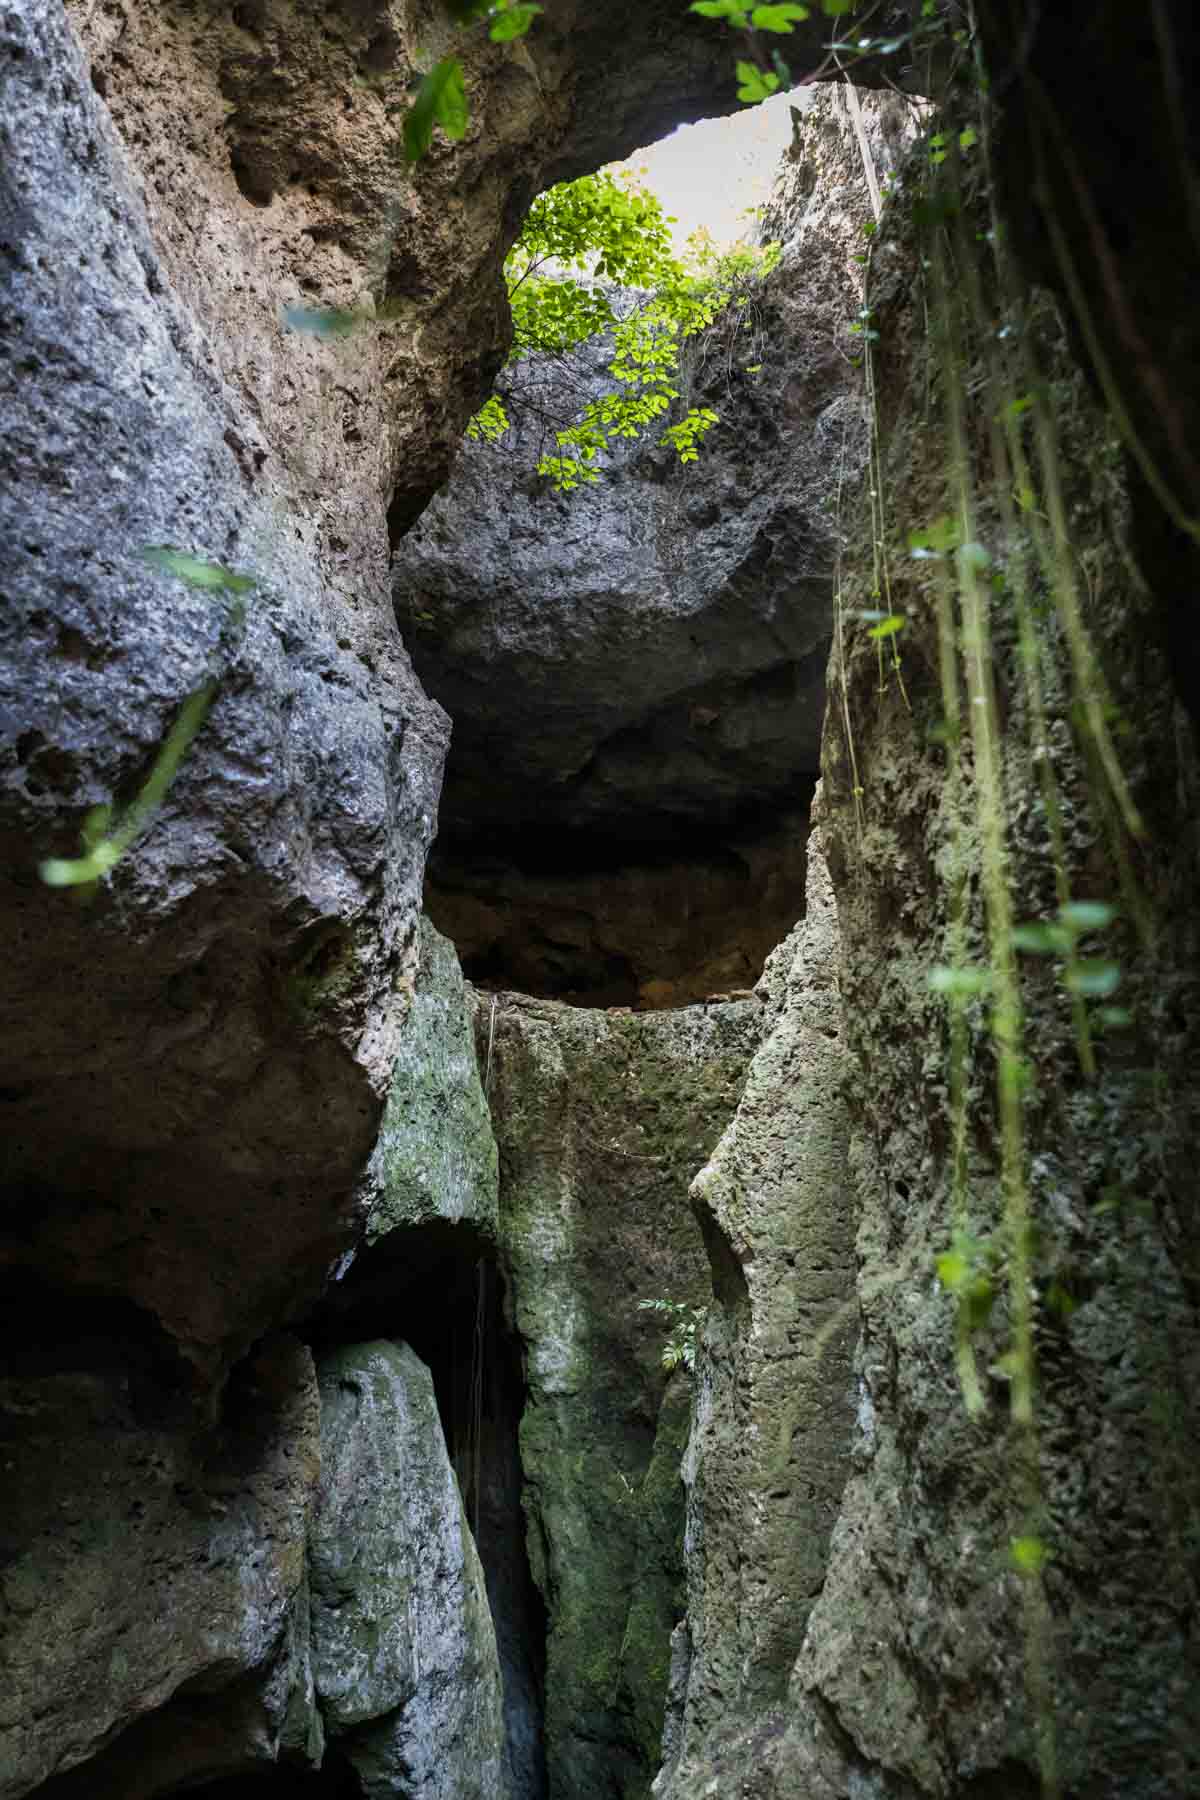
[[644, 657], [436, 1155], [602, 1120], [209, 1039], [636, 671], [151, 1560], [404, 1654], [769, 1450], [216, 1027]]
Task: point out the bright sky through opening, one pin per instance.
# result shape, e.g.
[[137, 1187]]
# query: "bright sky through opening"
[[718, 171]]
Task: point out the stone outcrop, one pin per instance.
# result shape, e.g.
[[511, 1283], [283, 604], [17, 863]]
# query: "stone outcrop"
[[435, 1159], [774, 1406], [404, 1655], [218, 1024], [929, 1663], [602, 1121], [153, 1563], [198, 1055]]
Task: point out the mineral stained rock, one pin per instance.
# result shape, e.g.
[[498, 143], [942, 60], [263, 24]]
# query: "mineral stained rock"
[[436, 1155], [602, 1121], [932, 1661]]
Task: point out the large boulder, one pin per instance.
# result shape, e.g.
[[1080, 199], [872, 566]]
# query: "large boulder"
[[404, 1654], [207, 1038], [636, 670], [152, 1591]]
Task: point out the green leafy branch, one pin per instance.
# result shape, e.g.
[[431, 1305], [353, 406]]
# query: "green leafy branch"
[[684, 1321], [581, 241], [441, 98]]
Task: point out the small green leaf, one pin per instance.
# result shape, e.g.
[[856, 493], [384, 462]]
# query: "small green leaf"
[[953, 1269], [1028, 1554], [936, 539], [887, 627], [194, 570], [451, 101], [514, 22], [968, 139], [1087, 915], [1041, 939], [777, 18], [324, 321], [837, 9], [756, 84], [1094, 978], [945, 980], [441, 100]]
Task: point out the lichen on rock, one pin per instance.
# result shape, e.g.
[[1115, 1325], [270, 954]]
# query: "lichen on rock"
[[602, 1120]]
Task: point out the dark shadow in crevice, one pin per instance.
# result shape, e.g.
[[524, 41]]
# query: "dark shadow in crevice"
[[47, 1330], [437, 1287], [730, 1288], [334, 1780]]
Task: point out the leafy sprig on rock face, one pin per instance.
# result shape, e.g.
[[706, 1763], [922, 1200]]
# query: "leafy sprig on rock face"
[[583, 241]]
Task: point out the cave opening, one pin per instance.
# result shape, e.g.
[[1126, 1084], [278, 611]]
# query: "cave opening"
[[438, 1287], [635, 670]]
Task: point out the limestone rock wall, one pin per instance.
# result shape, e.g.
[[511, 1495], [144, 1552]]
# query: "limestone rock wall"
[[927, 1664], [602, 1120], [217, 1025], [774, 1408]]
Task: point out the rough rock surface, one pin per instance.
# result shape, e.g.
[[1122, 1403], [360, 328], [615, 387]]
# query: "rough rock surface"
[[214, 1030], [602, 1120], [194, 1062], [217, 1026], [436, 1155], [914, 1675], [636, 670], [404, 1654], [653, 933], [769, 1450], [151, 1559]]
